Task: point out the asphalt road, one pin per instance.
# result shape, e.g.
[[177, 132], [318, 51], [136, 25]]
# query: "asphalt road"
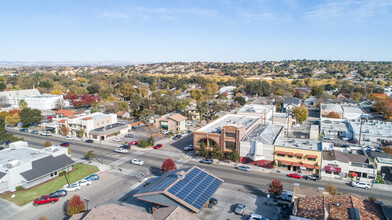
[[153, 161]]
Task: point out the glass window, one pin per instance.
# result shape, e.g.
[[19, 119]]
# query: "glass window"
[[232, 135], [281, 155], [290, 156], [299, 157], [311, 159], [230, 145]]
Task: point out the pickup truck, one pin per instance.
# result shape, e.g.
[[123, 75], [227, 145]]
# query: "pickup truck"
[[286, 195], [45, 200], [312, 177]]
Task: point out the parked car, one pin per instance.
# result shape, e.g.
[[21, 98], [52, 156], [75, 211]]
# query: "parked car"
[[137, 161], [89, 141], [207, 161], [122, 122], [72, 187], [165, 131], [362, 185], [178, 136], [129, 136], [92, 177], [69, 137], [296, 125], [243, 168], [133, 143], [117, 139], [84, 182], [24, 130], [286, 195], [240, 208], [213, 200], [312, 177], [189, 147], [58, 193], [45, 133], [44, 200], [121, 150], [34, 131], [184, 133], [295, 175], [126, 146], [256, 217], [158, 146], [65, 144]]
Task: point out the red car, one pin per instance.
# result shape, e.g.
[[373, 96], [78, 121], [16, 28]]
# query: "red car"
[[45, 200], [158, 146], [133, 143], [295, 175], [65, 144]]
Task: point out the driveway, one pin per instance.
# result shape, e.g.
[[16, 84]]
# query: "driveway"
[[8, 208]]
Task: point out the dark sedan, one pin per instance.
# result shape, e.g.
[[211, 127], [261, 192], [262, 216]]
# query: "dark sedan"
[[125, 146], [58, 193], [177, 137], [89, 141]]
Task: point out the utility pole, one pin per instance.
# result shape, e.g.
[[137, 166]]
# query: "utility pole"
[[288, 123], [69, 180], [100, 147], [360, 131]]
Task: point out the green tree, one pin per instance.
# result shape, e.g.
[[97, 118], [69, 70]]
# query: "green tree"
[[89, 155], [197, 94], [240, 100], [29, 116], [47, 144], [93, 88], [2, 86], [234, 155], [275, 187], [146, 114], [300, 113], [203, 152], [22, 104], [317, 91], [81, 132], [217, 152]]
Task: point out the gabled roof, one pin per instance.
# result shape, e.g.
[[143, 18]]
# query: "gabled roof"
[[188, 187], [173, 213], [65, 113], [46, 165], [2, 175], [344, 157], [177, 117], [293, 100]]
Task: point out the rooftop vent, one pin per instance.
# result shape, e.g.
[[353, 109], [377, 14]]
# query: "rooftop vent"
[[181, 174]]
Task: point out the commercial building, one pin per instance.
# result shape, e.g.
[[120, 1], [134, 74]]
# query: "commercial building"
[[188, 188], [45, 101], [372, 132], [343, 111], [23, 166], [14, 97], [225, 132], [171, 122], [266, 112], [298, 154], [326, 109], [330, 128], [338, 164], [346, 206], [257, 147], [314, 132]]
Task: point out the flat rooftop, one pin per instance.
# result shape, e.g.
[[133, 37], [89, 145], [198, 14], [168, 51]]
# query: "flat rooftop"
[[372, 127], [264, 133], [229, 120], [334, 125], [352, 109], [305, 144], [19, 154], [43, 96], [108, 129], [370, 166], [331, 107], [384, 160], [256, 108]]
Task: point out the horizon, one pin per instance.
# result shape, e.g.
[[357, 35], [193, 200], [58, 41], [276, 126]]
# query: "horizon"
[[196, 31]]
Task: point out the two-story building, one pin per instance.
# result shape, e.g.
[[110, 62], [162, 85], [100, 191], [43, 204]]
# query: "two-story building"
[[171, 122]]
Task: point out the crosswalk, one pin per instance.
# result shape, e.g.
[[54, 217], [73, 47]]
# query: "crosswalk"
[[129, 172], [126, 158], [167, 153], [181, 162]]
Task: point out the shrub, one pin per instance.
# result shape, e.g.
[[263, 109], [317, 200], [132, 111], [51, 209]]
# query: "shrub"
[[332, 189], [62, 173], [75, 205], [143, 143], [18, 188], [89, 155], [168, 165], [47, 144], [372, 199]]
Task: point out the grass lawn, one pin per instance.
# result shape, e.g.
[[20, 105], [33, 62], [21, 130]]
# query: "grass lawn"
[[22, 197]]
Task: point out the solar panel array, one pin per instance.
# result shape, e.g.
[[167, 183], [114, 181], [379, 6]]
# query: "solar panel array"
[[162, 182], [196, 188]]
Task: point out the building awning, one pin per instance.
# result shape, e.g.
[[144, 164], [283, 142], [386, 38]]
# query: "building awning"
[[317, 167], [288, 163], [311, 156], [299, 155], [290, 153], [164, 126], [333, 168], [297, 164], [308, 165], [280, 152]]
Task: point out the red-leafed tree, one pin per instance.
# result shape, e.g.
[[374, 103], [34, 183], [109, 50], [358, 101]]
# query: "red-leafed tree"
[[333, 115], [168, 165], [75, 205], [71, 96], [275, 187]]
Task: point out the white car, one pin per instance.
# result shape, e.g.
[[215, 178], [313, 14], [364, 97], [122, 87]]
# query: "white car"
[[122, 122], [189, 147], [45, 133], [165, 132], [72, 187], [257, 217], [137, 161], [118, 139], [69, 138], [84, 182], [362, 185], [296, 125], [121, 150]]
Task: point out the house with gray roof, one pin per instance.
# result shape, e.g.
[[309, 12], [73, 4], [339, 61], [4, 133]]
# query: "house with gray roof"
[[21, 165], [188, 188], [290, 103]]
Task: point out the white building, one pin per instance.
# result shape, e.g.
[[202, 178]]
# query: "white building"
[[265, 111], [45, 101], [229, 90], [23, 166], [372, 131], [14, 97]]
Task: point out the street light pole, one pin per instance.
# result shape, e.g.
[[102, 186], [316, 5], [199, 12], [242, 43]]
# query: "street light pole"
[[87, 200], [100, 147]]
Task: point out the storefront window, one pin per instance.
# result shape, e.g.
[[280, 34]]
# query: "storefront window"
[[281, 155], [311, 159], [299, 157], [290, 156]]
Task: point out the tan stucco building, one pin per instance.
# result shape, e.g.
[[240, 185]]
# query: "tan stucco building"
[[171, 122]]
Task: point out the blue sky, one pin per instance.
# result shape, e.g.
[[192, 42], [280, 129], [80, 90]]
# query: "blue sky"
[[190, 30]]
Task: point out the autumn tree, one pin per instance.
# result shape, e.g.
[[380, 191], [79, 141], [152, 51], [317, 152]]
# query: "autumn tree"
[[22, 104], [12, 119], [275, 187], [211, 89], [75, 205], [197, 94], [332, 189], [47, 144], [387, 150], [333, 115], [300, 113], [168, 165], [64, 129]]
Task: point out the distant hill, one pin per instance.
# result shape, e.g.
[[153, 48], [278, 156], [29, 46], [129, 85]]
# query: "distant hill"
[[65, 63]]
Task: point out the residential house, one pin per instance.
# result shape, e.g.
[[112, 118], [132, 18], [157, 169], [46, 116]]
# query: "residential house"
[[310, 101], [123, 115], [64, 113], [171, 122], [289, 103], [183, 95], [229, 90], [301, 91], [23, 166]]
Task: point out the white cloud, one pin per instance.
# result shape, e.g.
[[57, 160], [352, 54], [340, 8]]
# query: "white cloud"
[[113, 14]]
